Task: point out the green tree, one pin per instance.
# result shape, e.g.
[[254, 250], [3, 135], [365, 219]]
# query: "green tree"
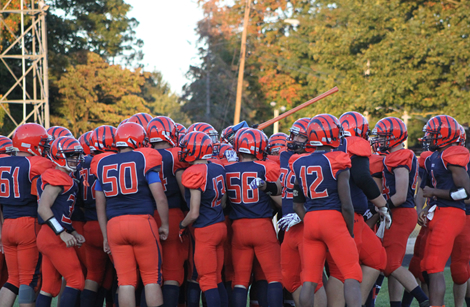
[[97, 93]]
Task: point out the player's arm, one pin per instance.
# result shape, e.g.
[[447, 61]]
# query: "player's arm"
[[100, 201], [461, 180], [194, 206], [162, 207], [347, 208], [48, 197], [299, 200], [360, 173], [179, 176], [272, 188], [401, 186]]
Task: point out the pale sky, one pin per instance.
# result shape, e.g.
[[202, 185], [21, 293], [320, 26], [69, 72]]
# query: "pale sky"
[[167, 29]]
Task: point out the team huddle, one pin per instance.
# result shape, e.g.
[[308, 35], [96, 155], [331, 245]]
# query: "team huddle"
[[153, 214]]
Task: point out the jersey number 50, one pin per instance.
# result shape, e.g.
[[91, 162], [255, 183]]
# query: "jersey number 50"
[[124, 187]]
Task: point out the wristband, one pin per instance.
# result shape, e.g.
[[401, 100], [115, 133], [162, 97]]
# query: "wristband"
[[299, 196], [458, 194], [181, 225], [55, 225], [390, 204], [271, 188]]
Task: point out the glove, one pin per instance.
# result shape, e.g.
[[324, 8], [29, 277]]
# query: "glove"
[[182, 233], [430, 214], [385, 216], [231, 155], [256, 183], [288, 221]]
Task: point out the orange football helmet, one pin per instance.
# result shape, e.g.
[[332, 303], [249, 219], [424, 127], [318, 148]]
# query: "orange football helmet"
[[162, 129], [195, 145], [324, 130], [355, 124], [65, 150], [131, 135], [103, 139], [31, 138], [251, 141]]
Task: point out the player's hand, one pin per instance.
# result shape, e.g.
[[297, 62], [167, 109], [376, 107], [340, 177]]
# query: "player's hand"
[[79, 237], [422, 220], [288, 221], [163, 232], [182, 234], [257, 183], [106, 248], [68, 239], [385, 216], [231, 155], [428, 192]]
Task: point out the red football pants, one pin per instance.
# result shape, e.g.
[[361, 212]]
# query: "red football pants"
[[58, 260], [174, 252], [444, 228], [21, 251], [97, 261], [255, 237], [326, 229], [396, 238], [418, 254], [369, 247], [460, 256], [209, 254], [135, 244]]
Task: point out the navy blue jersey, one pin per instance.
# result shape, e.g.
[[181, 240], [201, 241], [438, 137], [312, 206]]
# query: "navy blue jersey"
[[87, 189], [246, 202], [287, 179], [122, 178], [64, 204], [356, 147], [170, 165], [400, 158], [317, 176], [467, 206], [210, 180], [441, 178], [18, 177]]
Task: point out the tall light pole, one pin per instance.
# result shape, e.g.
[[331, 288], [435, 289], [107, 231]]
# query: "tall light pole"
[[241, 69]]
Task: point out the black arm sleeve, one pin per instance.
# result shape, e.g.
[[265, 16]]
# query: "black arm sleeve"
[[360, 175]]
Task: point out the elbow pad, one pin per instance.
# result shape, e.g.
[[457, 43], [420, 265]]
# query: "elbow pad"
[[299, 196], [458, 194]]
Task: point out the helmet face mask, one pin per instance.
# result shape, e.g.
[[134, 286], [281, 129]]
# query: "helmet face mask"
[[67, 153], [388, 133]]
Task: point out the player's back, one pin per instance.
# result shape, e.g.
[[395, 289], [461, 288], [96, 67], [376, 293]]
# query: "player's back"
[[210, 180], [123, 181], [287, 179], [170, 165], [16, 176], [87, 189], [317, 176], [247, 202]]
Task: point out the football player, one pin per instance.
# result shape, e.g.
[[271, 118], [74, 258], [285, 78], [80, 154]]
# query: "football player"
[[205, 194], [399, 176], [372, 255], [127, 186], [446, 213], [20, 227], [250, 183], [98, 264], [163, 137], [57, 192], [322, 200]]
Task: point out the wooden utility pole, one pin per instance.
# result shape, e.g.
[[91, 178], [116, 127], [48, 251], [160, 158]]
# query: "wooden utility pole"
[[241, 69]]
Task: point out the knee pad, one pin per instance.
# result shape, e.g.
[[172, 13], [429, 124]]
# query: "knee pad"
[[26, 295]]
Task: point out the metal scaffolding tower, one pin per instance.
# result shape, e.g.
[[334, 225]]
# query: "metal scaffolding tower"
[[28, 45]]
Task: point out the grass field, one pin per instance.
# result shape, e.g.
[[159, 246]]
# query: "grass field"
[[382, 299]]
